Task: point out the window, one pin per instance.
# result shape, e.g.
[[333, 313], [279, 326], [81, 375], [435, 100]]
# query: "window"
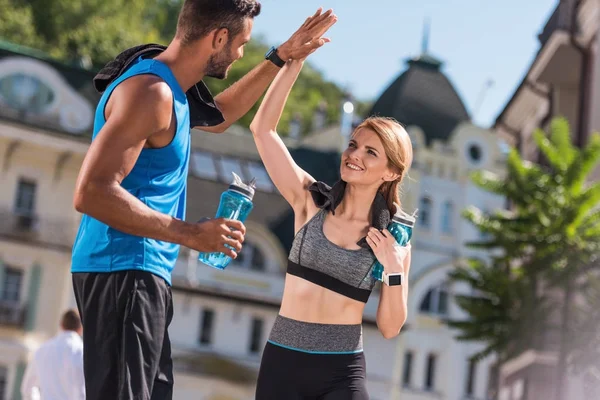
[[23, 91], [203, 165], [229, 165], [256, 333], [263, 182], [251, 258], [25, 200], [475, 153], [435, 301], [470, 387], [3, 382], [447, 214], [11, 287], [407, 373], [430, 372], [206, 326], [425, 212]]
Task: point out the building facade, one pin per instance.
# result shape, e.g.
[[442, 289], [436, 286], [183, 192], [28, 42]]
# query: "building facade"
[[563, 80], [223, 318]]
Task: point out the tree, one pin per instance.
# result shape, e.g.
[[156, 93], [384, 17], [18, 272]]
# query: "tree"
[[16, 24], [92, 32], [543, 251]]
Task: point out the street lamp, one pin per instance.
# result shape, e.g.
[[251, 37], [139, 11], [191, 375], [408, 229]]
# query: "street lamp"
[[346, 121]]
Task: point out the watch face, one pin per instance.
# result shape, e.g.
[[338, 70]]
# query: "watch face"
[[395, 280]]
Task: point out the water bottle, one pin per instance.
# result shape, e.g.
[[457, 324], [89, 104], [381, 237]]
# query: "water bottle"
[[236, 203], [401, 227]]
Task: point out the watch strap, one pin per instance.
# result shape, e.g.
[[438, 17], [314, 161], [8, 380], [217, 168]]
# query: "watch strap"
[[274, 57]]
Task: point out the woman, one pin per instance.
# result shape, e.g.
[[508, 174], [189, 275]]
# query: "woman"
[[314, 350]]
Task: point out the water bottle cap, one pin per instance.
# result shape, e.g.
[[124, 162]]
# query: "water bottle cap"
[[404, 218], [242, 188]]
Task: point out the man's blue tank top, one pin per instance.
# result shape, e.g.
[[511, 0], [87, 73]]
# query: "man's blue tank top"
[[158, 179]]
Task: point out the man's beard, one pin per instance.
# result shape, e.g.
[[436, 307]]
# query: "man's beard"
[[218, 64]]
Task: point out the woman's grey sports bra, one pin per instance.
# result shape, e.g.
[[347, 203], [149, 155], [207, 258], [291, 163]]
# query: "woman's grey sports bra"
[[316, 259]]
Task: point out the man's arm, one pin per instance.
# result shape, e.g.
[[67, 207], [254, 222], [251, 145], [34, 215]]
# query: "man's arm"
[[235, 101], [78, 378], [139, 108], [29, 384]]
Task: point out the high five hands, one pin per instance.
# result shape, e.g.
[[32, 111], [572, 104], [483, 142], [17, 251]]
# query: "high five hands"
[[309, 37]]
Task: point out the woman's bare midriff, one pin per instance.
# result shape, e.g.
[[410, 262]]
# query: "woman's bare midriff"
[[305, 301]]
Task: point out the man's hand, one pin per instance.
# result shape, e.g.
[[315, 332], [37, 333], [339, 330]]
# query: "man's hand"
[[211, 235], [307, 38]]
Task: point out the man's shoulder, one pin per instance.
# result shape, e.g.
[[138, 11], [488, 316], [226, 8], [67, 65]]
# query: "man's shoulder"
[[144, 95], [146, 88], [44, 347]]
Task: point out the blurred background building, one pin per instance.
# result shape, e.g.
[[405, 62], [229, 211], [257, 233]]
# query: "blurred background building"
[[562, 80]]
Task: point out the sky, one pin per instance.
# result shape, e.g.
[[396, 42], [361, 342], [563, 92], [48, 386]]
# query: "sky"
[[479, 42]]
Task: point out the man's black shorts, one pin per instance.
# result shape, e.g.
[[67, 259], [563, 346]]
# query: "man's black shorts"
[[126, 346]]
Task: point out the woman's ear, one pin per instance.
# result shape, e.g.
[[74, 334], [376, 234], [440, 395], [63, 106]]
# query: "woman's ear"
[[391, 176]]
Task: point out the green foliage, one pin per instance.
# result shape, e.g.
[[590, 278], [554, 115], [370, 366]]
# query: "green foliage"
[[97, 30], [547, 243], [16, 24], [497, 325], [309, 91], [70, 30]]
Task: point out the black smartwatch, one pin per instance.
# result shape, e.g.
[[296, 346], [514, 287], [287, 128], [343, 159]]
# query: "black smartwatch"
[[393, 279], [274, 57]]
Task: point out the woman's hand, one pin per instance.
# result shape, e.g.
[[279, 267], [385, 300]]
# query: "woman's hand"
[[308, 38], [388, 252]]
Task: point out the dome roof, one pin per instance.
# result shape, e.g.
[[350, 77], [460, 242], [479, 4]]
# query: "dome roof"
[[423, 96]]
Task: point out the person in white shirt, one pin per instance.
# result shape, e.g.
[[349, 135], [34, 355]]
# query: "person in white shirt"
[[55, 371]]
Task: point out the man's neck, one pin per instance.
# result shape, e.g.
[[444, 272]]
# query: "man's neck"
[[186, 63]]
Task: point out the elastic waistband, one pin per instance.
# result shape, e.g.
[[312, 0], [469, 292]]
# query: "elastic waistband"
[[311, 337]]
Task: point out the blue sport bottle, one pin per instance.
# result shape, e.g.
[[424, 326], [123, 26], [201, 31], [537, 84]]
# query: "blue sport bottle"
[[236, 203], [401, 227]]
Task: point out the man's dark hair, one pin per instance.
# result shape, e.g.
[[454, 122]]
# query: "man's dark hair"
[[199, 17], [70, 321]]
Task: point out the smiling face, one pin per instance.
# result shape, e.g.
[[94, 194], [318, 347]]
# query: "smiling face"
[[365, 162], [378, 156], [219, 64]]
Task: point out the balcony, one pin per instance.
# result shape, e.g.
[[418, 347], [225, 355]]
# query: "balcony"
[[12, 314], [31, 228], [560, 20], [234, 282]]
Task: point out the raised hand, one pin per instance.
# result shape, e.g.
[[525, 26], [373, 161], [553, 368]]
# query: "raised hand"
[[211, 235], [308, 37]]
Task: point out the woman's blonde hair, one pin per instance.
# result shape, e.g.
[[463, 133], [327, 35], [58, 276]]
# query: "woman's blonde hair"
[[398, 149]]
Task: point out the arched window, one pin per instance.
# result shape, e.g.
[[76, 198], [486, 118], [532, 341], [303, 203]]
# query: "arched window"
[[251, 258], [435, 301]]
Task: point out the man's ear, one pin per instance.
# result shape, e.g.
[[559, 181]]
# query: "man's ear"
[[220, 38]]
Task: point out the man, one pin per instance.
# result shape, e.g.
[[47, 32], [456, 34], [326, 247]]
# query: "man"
[[132, 187], [55, 371]]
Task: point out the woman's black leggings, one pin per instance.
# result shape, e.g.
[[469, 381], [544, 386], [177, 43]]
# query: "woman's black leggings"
[[287, 374]]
